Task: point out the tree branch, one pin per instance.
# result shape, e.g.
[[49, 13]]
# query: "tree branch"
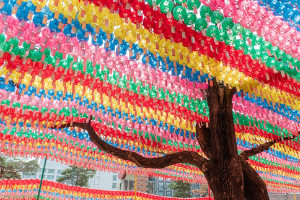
[[189, 157], [203, 137], [8, 171], [263, 147]]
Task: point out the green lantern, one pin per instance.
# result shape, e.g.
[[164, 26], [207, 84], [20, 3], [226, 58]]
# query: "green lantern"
[[200, 24], [222, 35], [230, 40], [256, 54], [193, 3], [22, 52], [14, 41], [34, 108], [271, 62], [297, 76], [5, 102], [287, 58], [216, 17], [247, 34], [274, 50], [280, 54], [264, 57], [205, 11], [237, 29], [227, 23], [2, 38], [6, 46], [190, 18], [239, 44], [179, 12], [212, 31], [151, 2], [292, 71], [166, 6], [180, 1], [16, 104], [256, 39], [248, 50], [265, 45], [280, 67]]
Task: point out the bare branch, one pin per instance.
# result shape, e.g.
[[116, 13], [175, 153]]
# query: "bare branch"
[[189, 157], [263, 147]]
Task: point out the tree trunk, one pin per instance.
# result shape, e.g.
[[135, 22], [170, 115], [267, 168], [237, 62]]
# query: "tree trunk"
[[230, 177], [226, 181]]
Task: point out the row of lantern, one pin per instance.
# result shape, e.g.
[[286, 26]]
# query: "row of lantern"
[[29, 187], [91, 105], [80, 149], [175, 59], [62, 63]]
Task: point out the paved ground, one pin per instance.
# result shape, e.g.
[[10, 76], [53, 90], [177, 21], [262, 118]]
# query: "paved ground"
[[284, 197]]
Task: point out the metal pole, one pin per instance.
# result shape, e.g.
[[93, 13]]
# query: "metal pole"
[[295, 196], [41, 182], [135, 180]]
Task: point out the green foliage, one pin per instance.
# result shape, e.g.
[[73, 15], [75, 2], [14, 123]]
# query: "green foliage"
[[181, 189], [76, 176], [11, 168]]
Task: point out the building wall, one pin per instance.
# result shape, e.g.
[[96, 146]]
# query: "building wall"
[[160, 188], [126, 184], [102, 180], [156, 186]]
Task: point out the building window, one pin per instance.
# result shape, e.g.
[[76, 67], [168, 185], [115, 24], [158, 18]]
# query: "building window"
[[114, 177], [40, 176], [169, 194], [50, 177], [161, 193], [30, 176], [167, 184], [58, 177], [131, 185], [59, 171], [160, 185], [41, 170], [51, 171], [114, 185]]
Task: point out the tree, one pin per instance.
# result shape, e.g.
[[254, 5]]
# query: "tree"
[[11, 168], [203, 191], [181, 189], [228, 174], [76, 176]]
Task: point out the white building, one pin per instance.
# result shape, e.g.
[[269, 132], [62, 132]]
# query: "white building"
[[102, 180]]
